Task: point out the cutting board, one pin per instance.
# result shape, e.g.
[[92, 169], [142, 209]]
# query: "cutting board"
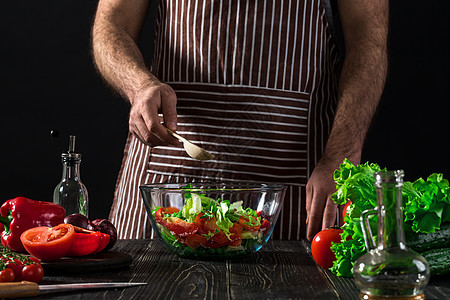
[[99, 262]]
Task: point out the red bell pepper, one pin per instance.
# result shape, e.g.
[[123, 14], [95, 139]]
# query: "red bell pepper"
[[87, 242], [20, 214]]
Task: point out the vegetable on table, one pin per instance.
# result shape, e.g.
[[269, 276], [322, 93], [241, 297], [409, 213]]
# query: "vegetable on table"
[[49, 243], [99, 225], [421, 242], [426, 211], [20, 214], [320, 246], [18, 267], [438, 259], [105, 226]]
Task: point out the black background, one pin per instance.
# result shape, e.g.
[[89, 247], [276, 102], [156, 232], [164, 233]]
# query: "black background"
[[49, 83]]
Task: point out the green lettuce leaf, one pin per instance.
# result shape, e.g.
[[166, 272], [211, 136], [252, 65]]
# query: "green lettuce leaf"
[[426, 205]]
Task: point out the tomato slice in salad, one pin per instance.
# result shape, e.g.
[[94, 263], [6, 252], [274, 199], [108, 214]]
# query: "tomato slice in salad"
[[175, 225], [48, 243], [196, 240], [206, 224], [251, 224], [235, 238]]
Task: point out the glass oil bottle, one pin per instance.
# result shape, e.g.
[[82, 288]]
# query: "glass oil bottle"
[[389, 270], [70, 192]]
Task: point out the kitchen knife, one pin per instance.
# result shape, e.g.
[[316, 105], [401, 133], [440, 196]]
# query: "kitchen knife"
[[30, 289]]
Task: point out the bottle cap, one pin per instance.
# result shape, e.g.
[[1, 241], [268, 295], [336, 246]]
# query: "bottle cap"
[[71, 153]]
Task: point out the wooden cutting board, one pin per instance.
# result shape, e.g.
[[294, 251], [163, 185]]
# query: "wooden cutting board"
[[99, 262]]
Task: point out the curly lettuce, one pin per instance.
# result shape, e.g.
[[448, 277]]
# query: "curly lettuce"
[[425, 207]]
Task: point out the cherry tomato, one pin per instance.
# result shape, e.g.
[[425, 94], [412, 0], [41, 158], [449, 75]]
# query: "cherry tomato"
[[344, 212], [16, 266], [48, 243], [35, 260], [7, 275], [32, 272], [320, 246]]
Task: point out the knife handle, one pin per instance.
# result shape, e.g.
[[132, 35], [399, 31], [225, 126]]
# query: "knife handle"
[[18, 289]]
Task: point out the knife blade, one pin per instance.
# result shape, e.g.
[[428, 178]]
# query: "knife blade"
[[30, 289]]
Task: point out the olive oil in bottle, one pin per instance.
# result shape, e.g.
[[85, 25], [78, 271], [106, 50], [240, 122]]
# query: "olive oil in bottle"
[[70, 192]]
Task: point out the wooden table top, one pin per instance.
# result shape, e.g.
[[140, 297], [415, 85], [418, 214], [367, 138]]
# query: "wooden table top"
[[280, 270]]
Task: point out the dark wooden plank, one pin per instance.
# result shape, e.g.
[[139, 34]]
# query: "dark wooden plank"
[[281, 270], [438, 288], [170, 276]]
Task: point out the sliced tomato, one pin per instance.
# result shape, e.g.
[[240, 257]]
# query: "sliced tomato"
[[265, 224], [249, 224], [175, 225], [196, 240], [235, 237], [171, 210], [206, 224], [200, 221], [220, 238], [48, 243]]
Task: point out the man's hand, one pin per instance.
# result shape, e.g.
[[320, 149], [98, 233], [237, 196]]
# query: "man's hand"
[[118, 59], [321, 209], [144, 121]]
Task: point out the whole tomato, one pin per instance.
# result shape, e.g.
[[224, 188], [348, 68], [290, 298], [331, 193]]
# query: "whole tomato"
[[33, 272], [344, 211], [6, 275], [320, 246]]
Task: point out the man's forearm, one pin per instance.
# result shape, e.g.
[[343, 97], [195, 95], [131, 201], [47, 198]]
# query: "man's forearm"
[[361, 85], [118, 58]]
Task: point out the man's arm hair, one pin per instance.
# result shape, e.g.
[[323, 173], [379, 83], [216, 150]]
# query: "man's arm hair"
[[365, 27], [114, 45]]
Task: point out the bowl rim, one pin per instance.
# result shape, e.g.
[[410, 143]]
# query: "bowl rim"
[[236, 186]]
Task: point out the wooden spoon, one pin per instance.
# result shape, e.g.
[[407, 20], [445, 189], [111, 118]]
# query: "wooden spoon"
[[193, 150]]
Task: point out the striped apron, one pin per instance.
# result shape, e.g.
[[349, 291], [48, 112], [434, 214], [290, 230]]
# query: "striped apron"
[[256, 83]]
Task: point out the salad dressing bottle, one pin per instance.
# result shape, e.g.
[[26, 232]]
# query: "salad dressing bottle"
[[71, 193], [389, 270]]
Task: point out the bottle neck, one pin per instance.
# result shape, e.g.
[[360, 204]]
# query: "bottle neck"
[[390, 217], [71, 170]]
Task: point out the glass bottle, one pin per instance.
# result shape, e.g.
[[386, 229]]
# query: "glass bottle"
[[71, 193], [389, 270]]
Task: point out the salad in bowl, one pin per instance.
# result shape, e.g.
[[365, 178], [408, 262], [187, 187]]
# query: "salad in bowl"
[[213, 220]]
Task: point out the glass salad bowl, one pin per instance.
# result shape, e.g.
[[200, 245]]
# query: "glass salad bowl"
[[213, 220]]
